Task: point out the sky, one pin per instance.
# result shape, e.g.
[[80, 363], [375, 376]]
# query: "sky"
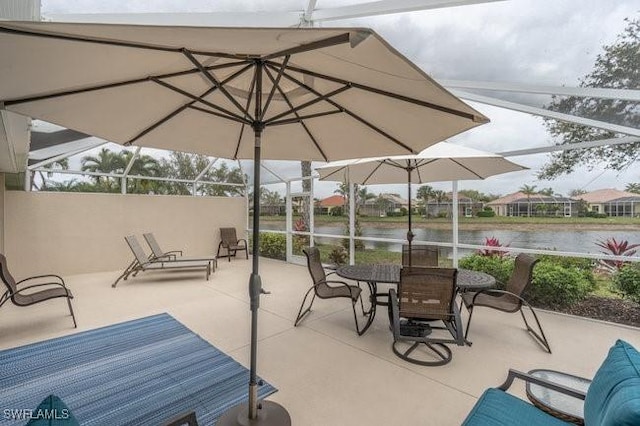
[[541, 42]]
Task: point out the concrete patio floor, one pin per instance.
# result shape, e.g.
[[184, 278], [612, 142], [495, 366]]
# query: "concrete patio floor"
[[325, 373]]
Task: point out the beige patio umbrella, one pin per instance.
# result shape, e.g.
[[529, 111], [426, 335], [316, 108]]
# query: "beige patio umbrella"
[[440, 162], [287, 94]]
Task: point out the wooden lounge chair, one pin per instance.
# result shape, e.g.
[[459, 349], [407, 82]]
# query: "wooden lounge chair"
[[48, 287], [229, 241], [323, 290], [425, 295], [142, 262], [175, 255], [510, 300]]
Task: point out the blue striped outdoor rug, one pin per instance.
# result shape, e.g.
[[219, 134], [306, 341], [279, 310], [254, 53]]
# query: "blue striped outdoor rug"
[[141, 372]]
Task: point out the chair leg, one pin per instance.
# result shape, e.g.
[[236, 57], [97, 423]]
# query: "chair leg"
[[540, 338], [306, 311], [359, 330], [75, 325], [466, 332]]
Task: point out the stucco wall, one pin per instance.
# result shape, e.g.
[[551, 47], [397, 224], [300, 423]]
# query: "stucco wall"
[[71, 233]]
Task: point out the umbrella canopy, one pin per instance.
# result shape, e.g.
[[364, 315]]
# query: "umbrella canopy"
[[287, 94], [440, 162]]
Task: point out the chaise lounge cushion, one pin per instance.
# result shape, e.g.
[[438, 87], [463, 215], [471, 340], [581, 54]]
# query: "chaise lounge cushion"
[[498, 408], [614, 395]]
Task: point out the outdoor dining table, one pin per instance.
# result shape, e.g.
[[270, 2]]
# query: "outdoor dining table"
[[374, 274]]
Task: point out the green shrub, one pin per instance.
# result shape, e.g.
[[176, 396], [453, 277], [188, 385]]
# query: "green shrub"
[[584, 265], [496, 266], [403, 211], [486, 213], [273, 245], [338, 256], [555, 285], [627, 282]]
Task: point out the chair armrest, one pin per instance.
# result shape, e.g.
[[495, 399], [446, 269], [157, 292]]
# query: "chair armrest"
[[42, 276], [515, 374], [243, 240], [173, 253], [29, 287], [496, 291]]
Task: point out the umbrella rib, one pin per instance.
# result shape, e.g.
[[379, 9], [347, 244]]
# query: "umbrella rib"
[[426, 104], [249, 98], [230, 115], [273, 87], [309, 103], [314, 45], [339, 169], [303, 117], [68, 37], [183, 107], [215, 82], [117, 84], [302, 123], [351, 114], [466, 168], [380, 163]]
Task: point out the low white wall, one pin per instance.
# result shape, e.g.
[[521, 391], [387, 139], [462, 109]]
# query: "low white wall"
[[72, 233]]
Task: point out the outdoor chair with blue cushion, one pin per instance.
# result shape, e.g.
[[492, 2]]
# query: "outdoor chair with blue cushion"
[[612, 399], [32, 290]]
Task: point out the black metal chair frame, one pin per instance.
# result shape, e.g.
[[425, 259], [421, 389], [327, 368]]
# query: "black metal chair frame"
[[10, 295], [540, 338], [232, 252], [314, 287], [418, 330]]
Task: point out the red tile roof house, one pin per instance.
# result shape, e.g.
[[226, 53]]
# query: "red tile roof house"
[[518, 204], [326, 205], [613, 202]]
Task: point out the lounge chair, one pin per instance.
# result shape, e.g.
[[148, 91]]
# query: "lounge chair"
[[142, 262], [175, 255], [323, 290], [510, 300], [22, 295], [229, 241], [425, 295]]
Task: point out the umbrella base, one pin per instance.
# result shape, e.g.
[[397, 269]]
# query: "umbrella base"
[[269, 414]]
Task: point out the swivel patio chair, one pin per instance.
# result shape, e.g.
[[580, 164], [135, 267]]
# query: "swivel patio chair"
[[229, 241], [421, 255], [175, 255], [425, 295], [23, 295], [510, 300], [142, 262], [323, 290]]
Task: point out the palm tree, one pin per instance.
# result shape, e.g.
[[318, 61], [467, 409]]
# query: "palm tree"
[[105, 162], [382, 203], [144, 165], [575, 193], [362, 196], [60, 164], [633, 187], [440, 196], [425, 192], [528, 190]]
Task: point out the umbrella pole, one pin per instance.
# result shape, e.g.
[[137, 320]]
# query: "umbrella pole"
[[256, 413], [409, 233]]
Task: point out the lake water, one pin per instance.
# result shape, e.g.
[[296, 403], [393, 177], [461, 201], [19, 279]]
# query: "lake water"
[[570, 240]]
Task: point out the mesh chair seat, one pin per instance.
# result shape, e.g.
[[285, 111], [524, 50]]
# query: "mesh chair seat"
[[40, 296], [327, 291]]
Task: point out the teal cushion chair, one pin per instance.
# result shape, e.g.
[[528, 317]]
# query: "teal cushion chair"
[[614, 395], [613, 398], [52, 412]]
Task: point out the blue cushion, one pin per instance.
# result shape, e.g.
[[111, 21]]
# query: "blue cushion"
[[614, 395], [52, 412], [498, 408]]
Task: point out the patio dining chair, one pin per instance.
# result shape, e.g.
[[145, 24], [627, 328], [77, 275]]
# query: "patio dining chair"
[[425, 295], [142, 262], [510, 299], [174, 255], [32, 290], [323, 289], [421, 255], [230, 242]]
